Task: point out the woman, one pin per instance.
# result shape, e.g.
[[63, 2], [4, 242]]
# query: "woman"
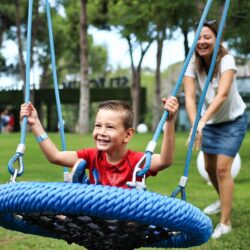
[[223, 124]]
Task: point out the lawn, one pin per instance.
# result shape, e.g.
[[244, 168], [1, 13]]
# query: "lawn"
[[198, 192]]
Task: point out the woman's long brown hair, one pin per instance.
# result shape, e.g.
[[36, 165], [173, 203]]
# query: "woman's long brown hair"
[[199, 61]]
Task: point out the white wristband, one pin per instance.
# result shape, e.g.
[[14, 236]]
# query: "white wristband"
[[41, 137]]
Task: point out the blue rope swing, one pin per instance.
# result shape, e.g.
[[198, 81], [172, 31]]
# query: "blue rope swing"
[[191, 227], [143, 207]]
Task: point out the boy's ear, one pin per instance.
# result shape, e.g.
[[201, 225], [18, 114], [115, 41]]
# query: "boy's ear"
[[129, 133]]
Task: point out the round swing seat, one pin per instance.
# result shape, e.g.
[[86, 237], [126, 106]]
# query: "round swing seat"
[[111, 217]]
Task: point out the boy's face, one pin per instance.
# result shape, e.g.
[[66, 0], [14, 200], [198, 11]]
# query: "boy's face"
[[109, 131]]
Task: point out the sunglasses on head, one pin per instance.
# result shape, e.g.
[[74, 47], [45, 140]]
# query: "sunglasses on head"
[[207, 22], [212, 24]]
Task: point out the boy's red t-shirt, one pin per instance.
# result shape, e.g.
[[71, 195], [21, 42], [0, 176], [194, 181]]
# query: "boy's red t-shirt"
[[112, 175]]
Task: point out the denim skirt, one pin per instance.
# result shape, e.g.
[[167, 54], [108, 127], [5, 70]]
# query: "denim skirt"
[[224, 138]]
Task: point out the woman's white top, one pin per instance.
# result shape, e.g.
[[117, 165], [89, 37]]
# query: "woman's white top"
[[233, 106]]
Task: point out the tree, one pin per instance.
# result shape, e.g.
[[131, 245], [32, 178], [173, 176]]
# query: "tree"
[[167, 16], [162, 14], [66, 31], [140, 23], [237, 29], [91, 57], [84, 82], [12, 19], [70, 26], [19, 39], [131, 20], [6, 18]]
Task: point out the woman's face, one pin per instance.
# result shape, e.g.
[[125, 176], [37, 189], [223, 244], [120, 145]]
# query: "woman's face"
[[206, 43]]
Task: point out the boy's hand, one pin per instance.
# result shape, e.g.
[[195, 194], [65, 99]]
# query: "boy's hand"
[[171, 104], [27, 109]]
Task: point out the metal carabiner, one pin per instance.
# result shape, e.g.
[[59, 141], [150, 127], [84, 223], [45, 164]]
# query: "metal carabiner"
[[13, 177], [138, 184], [21, 166]]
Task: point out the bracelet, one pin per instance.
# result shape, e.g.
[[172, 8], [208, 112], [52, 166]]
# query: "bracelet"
[[41, 137]]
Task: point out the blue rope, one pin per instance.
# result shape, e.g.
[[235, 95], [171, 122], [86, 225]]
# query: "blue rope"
[[143, 207], [20, 149], [56, 88], [176, 89], [203, 95]]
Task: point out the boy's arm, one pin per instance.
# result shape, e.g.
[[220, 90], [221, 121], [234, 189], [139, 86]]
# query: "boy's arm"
[[49, 149], [166, 157]]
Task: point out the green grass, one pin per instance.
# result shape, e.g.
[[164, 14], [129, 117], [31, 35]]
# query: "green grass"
[[198, 192]]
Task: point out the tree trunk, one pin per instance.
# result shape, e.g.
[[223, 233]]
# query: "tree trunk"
[[157, 96], [136, 95], [83, 122], [136, 81], [2, 30], [186, 47], [34, 35], [20, 46], [199, 6]]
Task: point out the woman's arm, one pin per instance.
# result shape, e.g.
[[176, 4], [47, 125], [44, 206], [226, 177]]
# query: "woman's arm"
[[190, 98]]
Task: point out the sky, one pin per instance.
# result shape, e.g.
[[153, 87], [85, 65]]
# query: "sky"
[[173, 51]]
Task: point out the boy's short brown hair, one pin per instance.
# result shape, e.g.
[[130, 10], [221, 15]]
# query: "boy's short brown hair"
[[121, 106]]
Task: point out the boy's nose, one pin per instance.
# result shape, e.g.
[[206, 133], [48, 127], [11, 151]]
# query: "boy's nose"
[[102, 130]]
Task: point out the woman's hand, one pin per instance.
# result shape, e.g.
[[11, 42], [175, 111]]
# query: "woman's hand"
[[198, 135], [198, 140]]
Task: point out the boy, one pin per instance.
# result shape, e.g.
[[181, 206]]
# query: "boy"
[[112, 132]]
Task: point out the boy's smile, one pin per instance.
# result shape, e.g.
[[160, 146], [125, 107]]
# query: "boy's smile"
[[102, 144]]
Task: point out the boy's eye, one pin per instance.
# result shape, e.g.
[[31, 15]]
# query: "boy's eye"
[[109, 126], [97, 125]]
